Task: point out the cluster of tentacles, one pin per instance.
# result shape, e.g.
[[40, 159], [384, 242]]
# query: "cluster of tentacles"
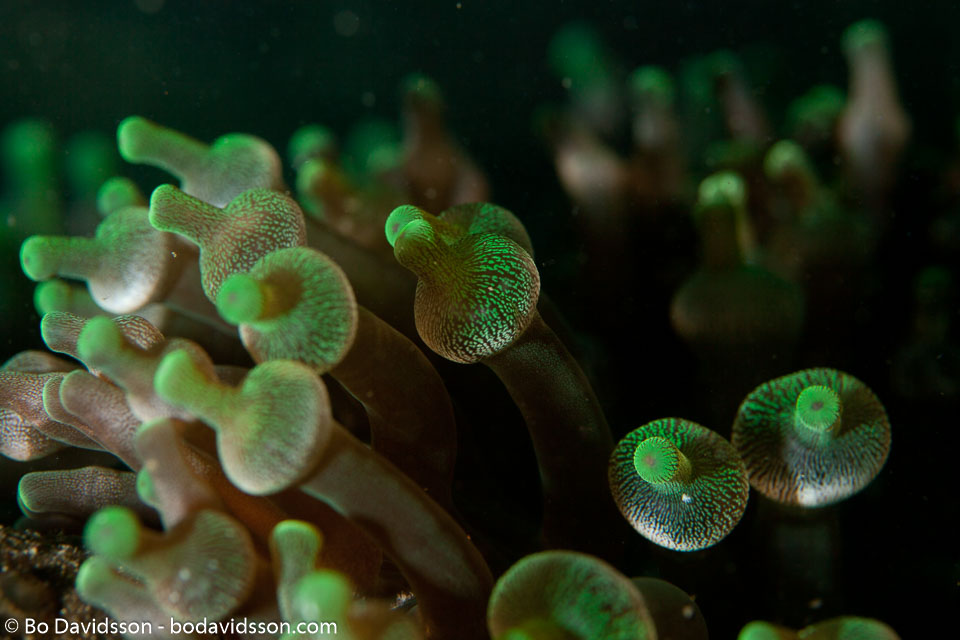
[[316, 485], [242, 494]]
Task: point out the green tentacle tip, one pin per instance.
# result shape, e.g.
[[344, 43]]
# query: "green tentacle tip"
[[240, 299], [113, 532], [51, 295], [176, 378], [26, 136], [93, 573], [863, 34], [818, 408], [23, 494], [129, 133], [576, 51], [657, 460], [784, 156], [760, 630], [653, 81], [725, 188], [146, 489], [299, 529], [819, 107], [310, 141], [322, 594], [399, 219], [99, 337], [116, 193], [422, 87], [163, 200], [36, 258]]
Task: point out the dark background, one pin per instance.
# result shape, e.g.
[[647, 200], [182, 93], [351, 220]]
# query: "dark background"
[[208, 68]]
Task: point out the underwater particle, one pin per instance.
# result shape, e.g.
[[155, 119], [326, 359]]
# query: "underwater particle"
[[678, 484], [564, 594], [812, 438]]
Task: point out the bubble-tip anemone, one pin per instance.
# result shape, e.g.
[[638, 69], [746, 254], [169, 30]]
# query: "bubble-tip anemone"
[[679, 484], [812, 438]]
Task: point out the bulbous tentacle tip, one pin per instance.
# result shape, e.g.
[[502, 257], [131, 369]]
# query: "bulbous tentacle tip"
[[240, 299], [177, 379], [783, 157], [576, 50], [285, 427], [652, 82], [295, 530], [818, 408], [57, 295], [26, 141], [38, 258], [118, 192], [130, 134], [293, 304], [476, 297], [486, 217], [312, 141], [99, 339], [542, 596], [313, 174], [657, 459], [94, 572], [113, 532], [862, 34], [25, 495], [725, 188], [146, 489], [163, 200], [421, 90], [321, 594], [50, 296], [760, 630], [398, 220]]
